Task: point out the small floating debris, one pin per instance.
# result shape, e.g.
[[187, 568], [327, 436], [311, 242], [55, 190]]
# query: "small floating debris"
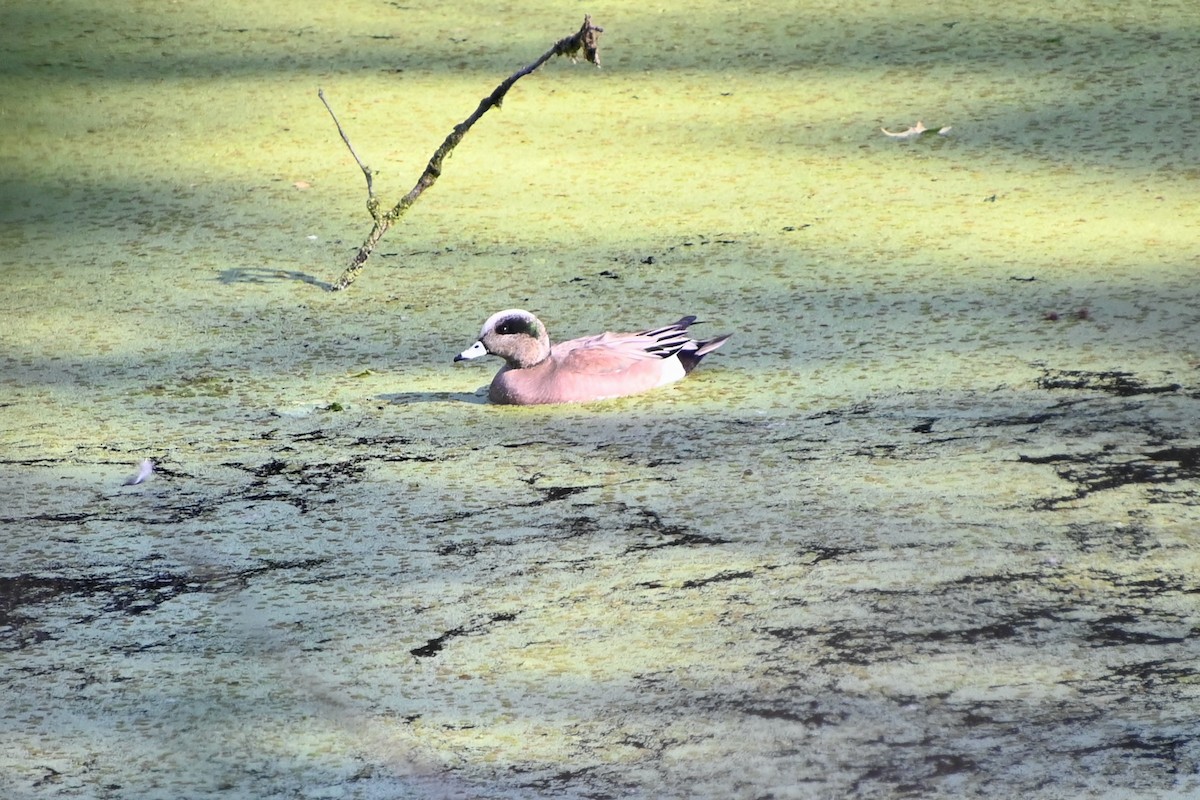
[[145, 470], [1079, 313], [915, 131]]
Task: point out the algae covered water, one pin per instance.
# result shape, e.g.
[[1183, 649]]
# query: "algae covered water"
[[925, 526]]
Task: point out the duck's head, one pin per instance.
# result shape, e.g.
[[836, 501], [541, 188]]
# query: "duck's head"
[[515, 335]]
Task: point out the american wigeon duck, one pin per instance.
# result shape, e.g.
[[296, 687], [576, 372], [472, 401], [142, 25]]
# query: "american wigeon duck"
[[581, 370]]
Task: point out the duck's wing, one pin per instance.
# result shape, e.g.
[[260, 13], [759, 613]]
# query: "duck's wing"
[[615, 352]]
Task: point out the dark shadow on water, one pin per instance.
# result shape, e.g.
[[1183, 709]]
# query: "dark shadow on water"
[[265, 275], [407, 398]]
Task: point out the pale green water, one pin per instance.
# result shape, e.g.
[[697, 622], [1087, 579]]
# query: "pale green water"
[[904, 536]]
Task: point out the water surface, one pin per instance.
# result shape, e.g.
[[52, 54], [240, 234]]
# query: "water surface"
[[925, 527]]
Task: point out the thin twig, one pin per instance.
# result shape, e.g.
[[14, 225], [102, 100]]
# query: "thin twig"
[[587, 39], [366, 170]]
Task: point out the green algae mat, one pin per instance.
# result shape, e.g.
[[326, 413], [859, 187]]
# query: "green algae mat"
[[928, 525]]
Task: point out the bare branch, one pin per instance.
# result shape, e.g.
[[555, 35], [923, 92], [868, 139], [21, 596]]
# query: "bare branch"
[[366, 170], [587, 39]]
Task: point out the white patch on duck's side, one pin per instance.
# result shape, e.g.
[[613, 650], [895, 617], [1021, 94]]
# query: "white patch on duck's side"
[[672, 371]]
